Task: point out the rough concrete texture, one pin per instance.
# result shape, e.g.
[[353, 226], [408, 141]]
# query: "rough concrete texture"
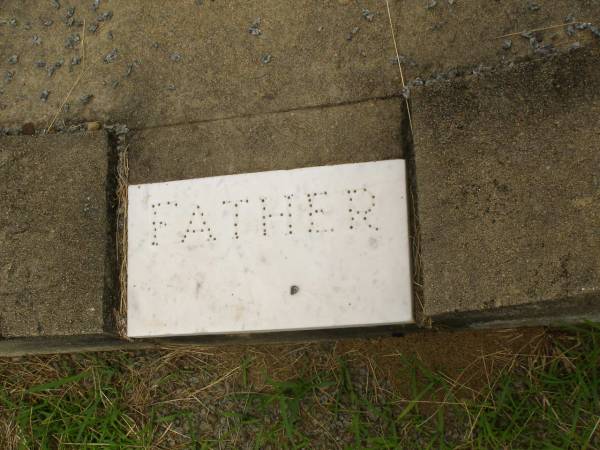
[[55, 235], [148, 63], [508, 185], [358, 132]]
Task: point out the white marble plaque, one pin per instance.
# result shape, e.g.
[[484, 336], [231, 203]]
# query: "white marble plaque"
[[320, 247]]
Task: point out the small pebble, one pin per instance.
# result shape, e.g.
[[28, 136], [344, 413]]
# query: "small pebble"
[[155, 45], [350, 35], [431, 4], [406, 92], [8, 76], [72, 41], [129, 69], [12, 22], [368, 15], [570, 18], [507, 44], [532, 6], [54, 67], [27, 25], [294, 290], [175, 57], [115, 84], [95, 5], [254, 29], [112, 56], [36, 40], [93, 126], [55, 4], [105, 16], [47, 22], [13, 59], [85, 99], [93, 28], [570, 31], [170, 87], [265, 59], [40, 64], [583, 26], [574, 46], [44, 95], [110, 36], [70, 12]]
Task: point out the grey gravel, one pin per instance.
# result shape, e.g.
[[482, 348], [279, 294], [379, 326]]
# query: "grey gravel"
[[36, 40], [105, 16], [507, 44], [85, 99], [570, 31], [44, 95], [170, 87], [72, 41], [368, 15], [406, 92], [70, 12], [93, 28], [350, 35], [265, 59], [54, 67], [8, 76], [595, 31], [13, 59], [254, 29], [111, 56], [583, 26], [175, 57]]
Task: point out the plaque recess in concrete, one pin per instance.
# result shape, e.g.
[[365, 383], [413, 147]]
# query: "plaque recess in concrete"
[[320, 247]]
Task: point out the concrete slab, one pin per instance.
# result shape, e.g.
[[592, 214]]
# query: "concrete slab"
[[360, 132], [508, 185], [57, 241], [149, 64]]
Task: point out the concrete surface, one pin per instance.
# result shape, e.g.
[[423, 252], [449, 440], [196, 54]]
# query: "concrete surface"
[[57, 241], [174, 65], [508, 185], [360, 132]]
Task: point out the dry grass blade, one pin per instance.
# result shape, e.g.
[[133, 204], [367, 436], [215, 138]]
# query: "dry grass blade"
[[74, 85], [387, 4], [551, 27]]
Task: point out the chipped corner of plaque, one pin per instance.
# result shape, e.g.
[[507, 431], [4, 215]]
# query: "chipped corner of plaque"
[[119, 133]]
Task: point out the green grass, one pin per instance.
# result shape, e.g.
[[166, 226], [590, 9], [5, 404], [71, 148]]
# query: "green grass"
[[547, 397]]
